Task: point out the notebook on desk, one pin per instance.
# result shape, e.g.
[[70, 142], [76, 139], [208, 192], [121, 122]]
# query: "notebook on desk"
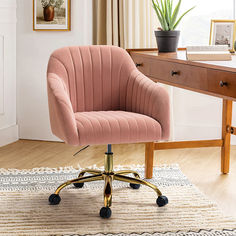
[[208, 53]]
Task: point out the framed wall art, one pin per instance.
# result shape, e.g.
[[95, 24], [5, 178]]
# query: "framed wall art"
[[223, 33], [52, 15]]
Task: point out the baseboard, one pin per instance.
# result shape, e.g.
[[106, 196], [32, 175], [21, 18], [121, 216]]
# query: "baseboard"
[[8, 135]]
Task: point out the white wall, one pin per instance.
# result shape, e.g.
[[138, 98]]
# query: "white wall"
[[8, 126], [33, 51], [196, 116]]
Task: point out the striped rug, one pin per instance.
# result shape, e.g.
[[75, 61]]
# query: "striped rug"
[[24, 208]]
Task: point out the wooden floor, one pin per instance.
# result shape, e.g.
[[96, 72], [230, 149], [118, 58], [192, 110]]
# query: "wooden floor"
[[200, 165]]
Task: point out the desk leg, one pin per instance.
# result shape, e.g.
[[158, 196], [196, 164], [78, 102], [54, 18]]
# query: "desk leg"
[[226, 135], [149, 153]]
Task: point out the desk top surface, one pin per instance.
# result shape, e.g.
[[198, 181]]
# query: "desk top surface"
[[180, 57]]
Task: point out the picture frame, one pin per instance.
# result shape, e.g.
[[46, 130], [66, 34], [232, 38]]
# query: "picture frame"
[[51, 15], [223, 33]]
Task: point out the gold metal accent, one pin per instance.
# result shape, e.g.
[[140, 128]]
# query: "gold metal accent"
[[108, 176], [108, 191], [79, 180], [137, 181], [108, 164], [126, 172], [89, 171]]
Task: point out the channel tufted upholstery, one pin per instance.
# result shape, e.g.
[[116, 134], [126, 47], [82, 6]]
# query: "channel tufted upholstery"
[[97, 96]]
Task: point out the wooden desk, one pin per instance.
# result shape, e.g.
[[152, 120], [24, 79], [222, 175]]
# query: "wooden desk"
[[216, 78]]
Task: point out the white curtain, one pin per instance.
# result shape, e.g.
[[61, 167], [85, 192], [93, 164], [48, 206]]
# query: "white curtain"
[[139, 24], [124, 23]]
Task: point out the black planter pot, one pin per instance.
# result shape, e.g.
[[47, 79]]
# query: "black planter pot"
[[167, 41]]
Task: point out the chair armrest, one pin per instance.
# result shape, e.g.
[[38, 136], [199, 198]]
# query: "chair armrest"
[[147, 97], [62, 117]]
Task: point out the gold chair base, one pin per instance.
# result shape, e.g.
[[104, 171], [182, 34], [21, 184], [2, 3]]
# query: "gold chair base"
[[108, 175]]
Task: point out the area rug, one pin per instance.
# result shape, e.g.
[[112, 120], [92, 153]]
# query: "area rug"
[[24, 208]]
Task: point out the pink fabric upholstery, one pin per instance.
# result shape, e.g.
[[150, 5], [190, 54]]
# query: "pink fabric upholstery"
[[97, 96], [115, 127]]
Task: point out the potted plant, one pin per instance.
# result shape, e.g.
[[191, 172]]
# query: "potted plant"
[[48, 8], [167, 37]]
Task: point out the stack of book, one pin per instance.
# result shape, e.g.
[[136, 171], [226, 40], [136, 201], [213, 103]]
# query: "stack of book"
[[208, 53]]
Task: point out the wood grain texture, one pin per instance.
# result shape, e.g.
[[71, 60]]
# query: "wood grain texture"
[[149, 155], [200, 165], [226, 136], [188, 144], [203, 77], [180, 57], [215, 78]]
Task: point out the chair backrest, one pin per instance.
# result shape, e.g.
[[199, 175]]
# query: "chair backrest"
[[95, 77]]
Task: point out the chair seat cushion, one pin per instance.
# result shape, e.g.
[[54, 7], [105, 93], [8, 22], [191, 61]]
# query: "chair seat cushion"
[[112, 127]]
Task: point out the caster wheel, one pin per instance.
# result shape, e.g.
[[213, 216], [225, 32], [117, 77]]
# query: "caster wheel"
[[54, 199], [105, 212], [162, 201], [135, 186], [79, 185]]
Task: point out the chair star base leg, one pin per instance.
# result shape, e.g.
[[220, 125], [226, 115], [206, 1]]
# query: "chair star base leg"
[[89, 171], [126, 172], [108, 175], [108, 191], [80, 180], [136, 181]]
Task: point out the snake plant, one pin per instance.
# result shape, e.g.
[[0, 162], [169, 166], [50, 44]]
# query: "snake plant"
[[167, 13]]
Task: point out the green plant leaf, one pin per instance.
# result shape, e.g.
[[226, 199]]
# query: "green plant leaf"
[[162, 6], [174, 16], [176, 24], [165, 25], [157, 12], [164, 9], [166, 12], [170, 4], [170, 11], [155, 6]]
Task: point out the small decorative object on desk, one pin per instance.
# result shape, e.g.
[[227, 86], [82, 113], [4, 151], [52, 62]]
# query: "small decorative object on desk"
[[51, 15], [223, 33], [208, 53], [167, 37]]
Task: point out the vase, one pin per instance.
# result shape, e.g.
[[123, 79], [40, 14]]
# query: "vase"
[[48, 13], [167, 41]]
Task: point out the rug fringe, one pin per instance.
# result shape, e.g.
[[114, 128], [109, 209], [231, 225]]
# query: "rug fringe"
[[69, 169]]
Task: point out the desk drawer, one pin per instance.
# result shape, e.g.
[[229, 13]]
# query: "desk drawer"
[[222, 83], [142, 63], [186, 76], [174, 70]]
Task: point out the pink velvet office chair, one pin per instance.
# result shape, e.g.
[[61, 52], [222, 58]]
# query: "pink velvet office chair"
[[97, 96]]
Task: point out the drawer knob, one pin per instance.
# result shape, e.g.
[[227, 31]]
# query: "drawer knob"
[[222, 84], [139, 64], [173, 73]]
